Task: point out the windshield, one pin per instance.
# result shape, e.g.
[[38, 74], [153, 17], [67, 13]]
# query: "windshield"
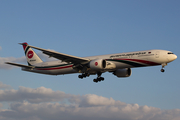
[[170, 53]]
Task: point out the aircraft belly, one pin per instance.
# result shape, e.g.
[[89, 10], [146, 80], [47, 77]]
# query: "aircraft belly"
[[63, 71], [37, 71], [122, 65]]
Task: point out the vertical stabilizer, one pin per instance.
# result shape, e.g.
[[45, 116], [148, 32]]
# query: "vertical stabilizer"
[[31, 56]]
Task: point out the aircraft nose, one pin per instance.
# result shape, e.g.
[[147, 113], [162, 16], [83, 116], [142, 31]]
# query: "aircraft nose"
[[175, 57], [172, 57]]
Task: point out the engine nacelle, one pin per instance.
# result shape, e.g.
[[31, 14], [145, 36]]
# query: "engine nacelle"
[[97, 64], [126, 72]]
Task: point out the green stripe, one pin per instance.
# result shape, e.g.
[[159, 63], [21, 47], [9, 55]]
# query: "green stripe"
[[25, 54], [128, 62], [26, 49], [29, 64]]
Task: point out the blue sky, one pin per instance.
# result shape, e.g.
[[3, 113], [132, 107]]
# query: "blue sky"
[[87, 28]]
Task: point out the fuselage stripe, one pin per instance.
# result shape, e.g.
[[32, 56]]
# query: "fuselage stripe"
[[133, 62], [128, 62], [141, 61]]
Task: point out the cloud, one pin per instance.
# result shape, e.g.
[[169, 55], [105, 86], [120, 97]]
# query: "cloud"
[[55, 111], [10, 59], [4, 86], [94, 100], [45, 104], [38, 95]]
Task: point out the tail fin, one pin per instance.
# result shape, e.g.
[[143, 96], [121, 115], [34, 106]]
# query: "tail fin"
[[31, 56]]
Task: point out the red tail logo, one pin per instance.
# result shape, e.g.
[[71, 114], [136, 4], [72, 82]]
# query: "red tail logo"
[[30, 54]]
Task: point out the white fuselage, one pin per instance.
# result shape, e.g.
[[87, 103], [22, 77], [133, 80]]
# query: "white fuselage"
[[113, 62]]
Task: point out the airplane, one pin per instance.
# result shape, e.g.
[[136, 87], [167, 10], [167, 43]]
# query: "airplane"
[[119, 64]]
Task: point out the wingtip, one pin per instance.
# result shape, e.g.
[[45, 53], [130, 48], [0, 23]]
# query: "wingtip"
[[8, 63]]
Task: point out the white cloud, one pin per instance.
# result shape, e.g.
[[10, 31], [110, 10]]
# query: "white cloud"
[[0, 48], [45, 104], [4, 86], [10, 59], [56, 111], [38, 95], [94, 100]]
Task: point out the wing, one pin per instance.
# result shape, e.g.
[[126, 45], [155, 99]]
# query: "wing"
[[20, 65], [62, 56]]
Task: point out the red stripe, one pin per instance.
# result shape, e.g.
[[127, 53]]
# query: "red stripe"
[[54, 68], [142, 61]]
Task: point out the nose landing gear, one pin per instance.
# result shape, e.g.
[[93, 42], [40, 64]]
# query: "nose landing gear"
[[163, 65], [162, 70]]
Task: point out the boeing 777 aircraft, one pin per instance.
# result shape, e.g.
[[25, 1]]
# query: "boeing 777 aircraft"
[[119, 64]]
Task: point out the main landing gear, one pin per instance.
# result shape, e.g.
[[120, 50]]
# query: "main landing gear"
[[163, 65], [99, 78], [84, 75]]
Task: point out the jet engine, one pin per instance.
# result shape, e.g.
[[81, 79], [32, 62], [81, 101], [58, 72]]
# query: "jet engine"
[[126, 72], [97, 64]]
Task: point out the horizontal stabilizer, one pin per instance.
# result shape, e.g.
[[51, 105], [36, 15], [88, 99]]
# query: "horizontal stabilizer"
[[20, 65]]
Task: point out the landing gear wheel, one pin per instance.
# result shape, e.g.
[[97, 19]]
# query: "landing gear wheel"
[[99, 78], [162, 70], [84, 75], [80, 76], [163, 65], [102, 79], [95, 80]]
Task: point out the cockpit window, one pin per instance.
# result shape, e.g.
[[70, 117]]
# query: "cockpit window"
[[170, 53]]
